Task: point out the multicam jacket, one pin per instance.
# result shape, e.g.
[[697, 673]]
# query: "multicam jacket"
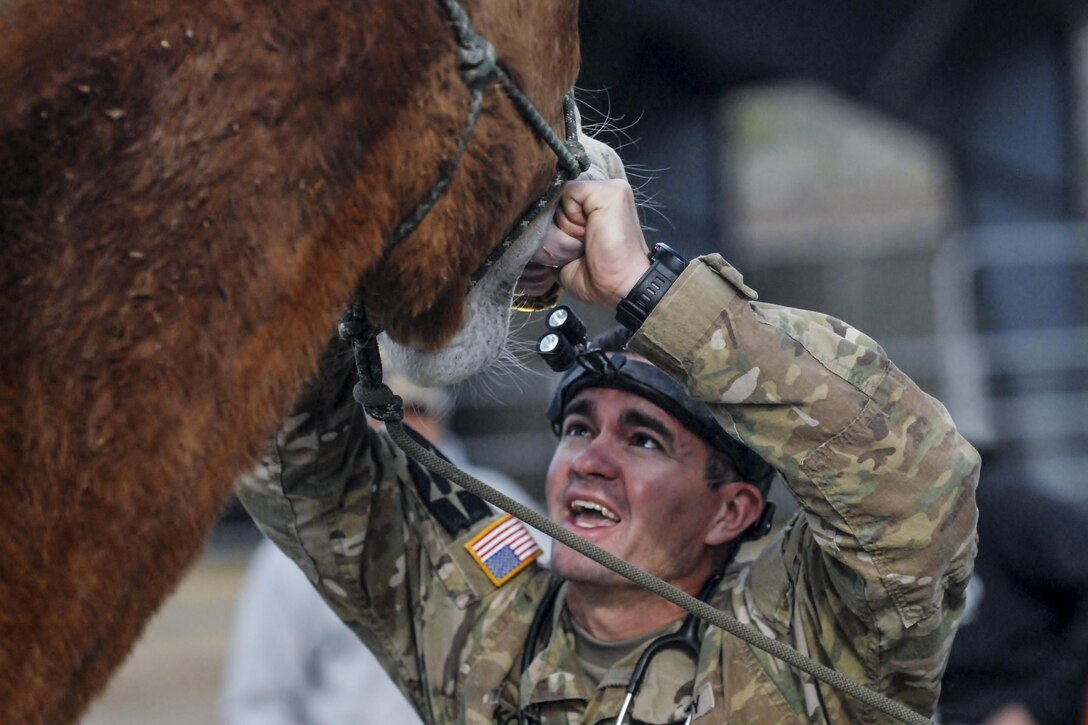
[[868, 577]]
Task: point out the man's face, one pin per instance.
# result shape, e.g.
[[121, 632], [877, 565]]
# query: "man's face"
[[630, 478]]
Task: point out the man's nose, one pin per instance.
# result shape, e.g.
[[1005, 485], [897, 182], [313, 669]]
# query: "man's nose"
[[597, 458]]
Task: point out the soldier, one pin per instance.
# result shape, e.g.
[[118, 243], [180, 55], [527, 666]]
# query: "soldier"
[[868, 577]]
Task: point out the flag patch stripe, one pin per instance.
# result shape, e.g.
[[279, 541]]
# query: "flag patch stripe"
[[503, 549], [497, 538]]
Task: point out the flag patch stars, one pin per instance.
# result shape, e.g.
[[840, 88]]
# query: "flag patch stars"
[[503, 549]]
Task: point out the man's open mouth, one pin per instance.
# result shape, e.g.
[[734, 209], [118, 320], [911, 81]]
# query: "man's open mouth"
[[591, 515]]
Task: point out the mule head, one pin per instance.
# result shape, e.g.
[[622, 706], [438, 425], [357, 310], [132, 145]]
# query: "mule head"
[[481, 338], [420, 291]]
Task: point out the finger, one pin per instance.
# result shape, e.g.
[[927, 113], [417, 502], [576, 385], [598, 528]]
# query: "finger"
[[576, 214], [558, 249], [567, 225], [570, 210], [580, 199], [572, 279]]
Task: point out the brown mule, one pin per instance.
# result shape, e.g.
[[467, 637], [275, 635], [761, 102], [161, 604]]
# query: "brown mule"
[[189, 191]]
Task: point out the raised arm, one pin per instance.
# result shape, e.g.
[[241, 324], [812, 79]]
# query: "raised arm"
[[886, 540], [877, 563]]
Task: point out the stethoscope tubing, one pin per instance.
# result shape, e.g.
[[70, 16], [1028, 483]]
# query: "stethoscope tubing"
[[685, 639]]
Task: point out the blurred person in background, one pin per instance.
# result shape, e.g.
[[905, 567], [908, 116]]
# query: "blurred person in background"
[[291, 660], [1021, 654]]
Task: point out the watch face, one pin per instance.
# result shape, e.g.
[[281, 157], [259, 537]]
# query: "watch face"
[[668, 258]]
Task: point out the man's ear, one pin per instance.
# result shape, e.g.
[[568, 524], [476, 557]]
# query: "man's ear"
[[739, 505]]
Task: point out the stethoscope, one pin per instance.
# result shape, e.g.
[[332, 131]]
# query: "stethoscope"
[[685, 639]]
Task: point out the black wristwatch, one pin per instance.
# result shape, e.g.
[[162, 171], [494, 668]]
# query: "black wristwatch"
[[666, 264]]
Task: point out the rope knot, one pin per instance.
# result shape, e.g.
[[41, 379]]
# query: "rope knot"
[[579, 155], [379, 403], [477, 60], [352, 328]]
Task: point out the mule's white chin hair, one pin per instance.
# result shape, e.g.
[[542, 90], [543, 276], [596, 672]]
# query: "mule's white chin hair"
[[487, 322]]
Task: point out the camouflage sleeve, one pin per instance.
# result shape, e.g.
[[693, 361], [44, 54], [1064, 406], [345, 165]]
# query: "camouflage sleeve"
[[879, 557], [377, 535]]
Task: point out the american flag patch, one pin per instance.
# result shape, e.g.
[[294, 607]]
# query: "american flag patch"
[[503, 549]]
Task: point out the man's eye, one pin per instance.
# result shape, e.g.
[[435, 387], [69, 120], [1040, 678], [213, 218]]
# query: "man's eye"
[[576, 429], [641, 440]]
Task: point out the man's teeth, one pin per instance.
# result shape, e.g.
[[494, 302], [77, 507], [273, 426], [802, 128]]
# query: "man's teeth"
[[579, 506]]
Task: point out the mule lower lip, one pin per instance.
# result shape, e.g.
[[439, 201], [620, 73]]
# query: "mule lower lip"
[[526, 303]]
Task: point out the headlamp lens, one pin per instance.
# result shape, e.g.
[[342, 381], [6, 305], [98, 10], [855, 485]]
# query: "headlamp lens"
[[557, 351], [563, 320], [557, 317], [549, 342]]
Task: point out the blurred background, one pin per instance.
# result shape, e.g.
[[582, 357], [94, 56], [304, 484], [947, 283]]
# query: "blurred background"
[[916, 168]]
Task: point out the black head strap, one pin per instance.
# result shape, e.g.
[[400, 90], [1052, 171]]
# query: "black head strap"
[[649, 382]]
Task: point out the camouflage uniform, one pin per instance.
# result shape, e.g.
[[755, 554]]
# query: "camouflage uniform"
[[868, 578]]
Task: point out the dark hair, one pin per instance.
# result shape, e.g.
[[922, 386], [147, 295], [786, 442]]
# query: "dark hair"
[[720, 470]]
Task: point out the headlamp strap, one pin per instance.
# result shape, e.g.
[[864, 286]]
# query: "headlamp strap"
[[597, 362], [761, 526]]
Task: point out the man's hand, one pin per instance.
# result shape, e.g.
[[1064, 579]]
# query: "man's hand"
[[602, 216]]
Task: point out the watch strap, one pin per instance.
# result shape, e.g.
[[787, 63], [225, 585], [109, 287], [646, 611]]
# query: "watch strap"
[[666, 264]]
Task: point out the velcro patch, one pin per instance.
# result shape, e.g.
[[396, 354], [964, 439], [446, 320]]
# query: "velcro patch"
[[704, 701], [452, 506], [503, 549]]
